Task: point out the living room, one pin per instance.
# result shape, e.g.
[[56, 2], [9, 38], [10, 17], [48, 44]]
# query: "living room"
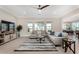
[[44, 18]]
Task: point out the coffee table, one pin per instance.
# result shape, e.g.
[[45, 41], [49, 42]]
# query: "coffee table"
[[41, 38]]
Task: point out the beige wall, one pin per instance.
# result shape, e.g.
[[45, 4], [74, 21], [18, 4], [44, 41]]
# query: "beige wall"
[[7, 16], [56, 24]]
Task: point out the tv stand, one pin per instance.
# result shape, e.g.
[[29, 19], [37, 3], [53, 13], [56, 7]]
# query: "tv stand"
[[7, 38]]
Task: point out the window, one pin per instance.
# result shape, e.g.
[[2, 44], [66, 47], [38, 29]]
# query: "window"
[[11, 27], [4, 27], [48, 27], [71, 26], [75, 26], [39, 26], [30, 27]]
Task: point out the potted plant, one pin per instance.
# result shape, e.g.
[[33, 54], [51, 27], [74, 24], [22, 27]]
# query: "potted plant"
[[19, 28]]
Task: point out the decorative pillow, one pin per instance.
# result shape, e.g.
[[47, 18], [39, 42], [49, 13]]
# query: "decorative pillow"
[[52, 33], [57, 33], [65, 34], [60, 35]]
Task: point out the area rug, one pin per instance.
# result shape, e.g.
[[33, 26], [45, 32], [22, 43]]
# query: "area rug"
[[34, 45]]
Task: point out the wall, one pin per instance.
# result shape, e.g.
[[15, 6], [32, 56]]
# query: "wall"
[[56, 24], [7, 16]]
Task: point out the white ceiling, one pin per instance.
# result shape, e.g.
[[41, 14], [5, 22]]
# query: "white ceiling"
[[48, 12]]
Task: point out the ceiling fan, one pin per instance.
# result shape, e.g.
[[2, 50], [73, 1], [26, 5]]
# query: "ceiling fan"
[[40, 7]]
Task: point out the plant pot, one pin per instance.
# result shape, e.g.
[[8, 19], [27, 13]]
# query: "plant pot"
[[18, 34]]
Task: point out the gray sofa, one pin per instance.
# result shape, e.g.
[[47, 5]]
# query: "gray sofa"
[[57, 40]]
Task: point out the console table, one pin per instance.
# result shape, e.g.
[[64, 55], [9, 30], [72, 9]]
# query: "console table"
[[67, 44], [4, 38], [1, 38]]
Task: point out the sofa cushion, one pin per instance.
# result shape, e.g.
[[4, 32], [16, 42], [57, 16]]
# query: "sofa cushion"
[[52, 33], [60, 35], [57, 33]]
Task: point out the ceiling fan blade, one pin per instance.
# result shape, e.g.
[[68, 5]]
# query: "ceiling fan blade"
[[44, 6], [41, 7]]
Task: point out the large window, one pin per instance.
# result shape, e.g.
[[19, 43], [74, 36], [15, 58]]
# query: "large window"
[[75, 26], [48, 26], [30, 27], [4, 27], [71, 26], [39, 26], [11, 27]]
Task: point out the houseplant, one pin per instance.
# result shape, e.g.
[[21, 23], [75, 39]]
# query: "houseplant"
[[19, 28]]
